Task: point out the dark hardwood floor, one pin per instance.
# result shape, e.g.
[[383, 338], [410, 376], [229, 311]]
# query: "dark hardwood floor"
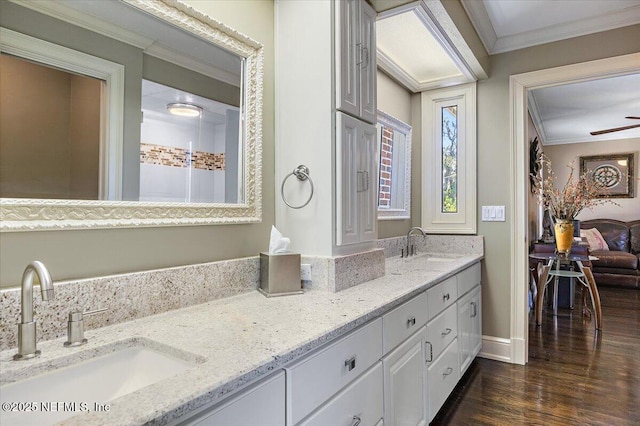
[[575, 375]]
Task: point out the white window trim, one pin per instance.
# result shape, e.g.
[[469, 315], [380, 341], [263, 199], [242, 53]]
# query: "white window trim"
[[464, 220]]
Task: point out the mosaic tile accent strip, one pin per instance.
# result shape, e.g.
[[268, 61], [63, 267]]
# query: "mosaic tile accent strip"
[[178, 157], [128, 296]]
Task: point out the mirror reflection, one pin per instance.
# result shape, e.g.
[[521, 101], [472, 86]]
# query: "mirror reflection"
[[80, 146], [394, 167]]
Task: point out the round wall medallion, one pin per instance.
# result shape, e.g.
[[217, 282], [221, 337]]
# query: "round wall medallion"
[[607, 176]]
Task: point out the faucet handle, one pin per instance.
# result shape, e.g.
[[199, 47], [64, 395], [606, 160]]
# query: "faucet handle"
[[75, 327]]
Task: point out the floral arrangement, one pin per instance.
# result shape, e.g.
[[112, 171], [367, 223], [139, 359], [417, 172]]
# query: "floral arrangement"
[[575, 196]]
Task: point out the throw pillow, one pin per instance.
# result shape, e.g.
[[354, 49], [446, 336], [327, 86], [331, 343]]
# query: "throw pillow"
[[595, 239]]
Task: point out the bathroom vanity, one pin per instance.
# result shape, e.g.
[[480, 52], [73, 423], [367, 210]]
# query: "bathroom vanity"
[[396, 344]]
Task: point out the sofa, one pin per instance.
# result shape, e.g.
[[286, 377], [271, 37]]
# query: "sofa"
[[620, 265]]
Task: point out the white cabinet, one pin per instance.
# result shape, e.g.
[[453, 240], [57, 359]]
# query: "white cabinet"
[[263, 404], [359, 403], [356, 59], [470, 327], [325, 69], [405, 385], [442, 376], [316, 378], [356, 191]]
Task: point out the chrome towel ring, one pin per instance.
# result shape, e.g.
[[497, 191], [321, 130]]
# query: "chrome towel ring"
[[302, 173]]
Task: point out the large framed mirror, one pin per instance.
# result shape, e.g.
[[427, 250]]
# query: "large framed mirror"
[[124, 113]]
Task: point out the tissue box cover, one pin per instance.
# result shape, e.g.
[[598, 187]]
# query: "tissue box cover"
[[280, 274]]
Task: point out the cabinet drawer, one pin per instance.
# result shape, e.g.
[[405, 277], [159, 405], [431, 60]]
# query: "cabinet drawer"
[[442, 377], [441, 296], [469, 278], [440, 332], [263, 403], [314, 380], [360, 400], [403, 321]]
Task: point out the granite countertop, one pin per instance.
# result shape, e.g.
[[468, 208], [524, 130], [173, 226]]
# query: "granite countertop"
[[234, 341]]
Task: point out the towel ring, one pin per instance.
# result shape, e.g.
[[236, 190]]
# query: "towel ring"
[[302, 173]]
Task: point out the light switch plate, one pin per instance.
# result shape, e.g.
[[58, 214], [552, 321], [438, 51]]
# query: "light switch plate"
[[493, 214]]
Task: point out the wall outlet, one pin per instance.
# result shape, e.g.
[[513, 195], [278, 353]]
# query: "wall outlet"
[[305, 272]]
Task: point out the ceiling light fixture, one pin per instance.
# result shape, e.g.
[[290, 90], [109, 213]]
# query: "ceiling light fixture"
[[184, 110]]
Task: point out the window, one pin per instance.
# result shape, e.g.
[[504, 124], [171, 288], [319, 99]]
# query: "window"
[[394, 168], [449, 149], [449, 160]]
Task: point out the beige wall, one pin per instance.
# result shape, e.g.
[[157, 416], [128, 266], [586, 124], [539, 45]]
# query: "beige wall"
[[84, 138], [28, 152], [396, 101], [561, 155], [85, 253], [494, 152], [49, 147]]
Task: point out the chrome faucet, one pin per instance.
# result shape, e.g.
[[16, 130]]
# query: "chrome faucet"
[[27, 327], [410, 250]]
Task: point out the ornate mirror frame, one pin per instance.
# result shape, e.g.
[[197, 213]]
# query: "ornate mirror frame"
[[38, 215]]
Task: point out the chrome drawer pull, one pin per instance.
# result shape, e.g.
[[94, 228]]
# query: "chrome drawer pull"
[[446, 297], [350, 363], [430, 351], [411, 322], [356, 421], [446, 332], [448, 371], [475, 310]]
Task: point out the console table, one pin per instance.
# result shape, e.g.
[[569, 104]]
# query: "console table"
[[583, 276]]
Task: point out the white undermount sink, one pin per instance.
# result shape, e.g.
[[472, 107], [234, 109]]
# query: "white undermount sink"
[[83, 385]]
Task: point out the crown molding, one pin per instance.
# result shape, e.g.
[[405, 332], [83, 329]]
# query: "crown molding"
[[480, 19]]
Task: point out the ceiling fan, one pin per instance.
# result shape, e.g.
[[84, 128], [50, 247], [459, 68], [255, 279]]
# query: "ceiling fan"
[[617, 129]]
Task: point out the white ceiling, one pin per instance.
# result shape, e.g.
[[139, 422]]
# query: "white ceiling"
[[505, 25], [562, 114], [568, 113]]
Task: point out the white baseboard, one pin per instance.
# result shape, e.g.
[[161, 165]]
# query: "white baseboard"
[[496, 348]]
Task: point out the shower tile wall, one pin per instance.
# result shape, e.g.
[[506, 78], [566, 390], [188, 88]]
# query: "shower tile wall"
[[170, 183]]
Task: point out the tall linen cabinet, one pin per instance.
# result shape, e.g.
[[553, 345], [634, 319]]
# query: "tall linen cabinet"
[[325, 119]]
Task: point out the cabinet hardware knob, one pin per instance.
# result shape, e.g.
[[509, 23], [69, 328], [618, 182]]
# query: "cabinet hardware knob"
[[411, 322], [350, 363], [356, 421], [446, 297], [448, 371], [446, 332]]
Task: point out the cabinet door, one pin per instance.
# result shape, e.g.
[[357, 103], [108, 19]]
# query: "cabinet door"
[[356, 191], [405, 386], [368, 67], [464, 332], [348, 51], [476, 322], [347, 133], [469, 327], [263, 403], [367, 189]]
